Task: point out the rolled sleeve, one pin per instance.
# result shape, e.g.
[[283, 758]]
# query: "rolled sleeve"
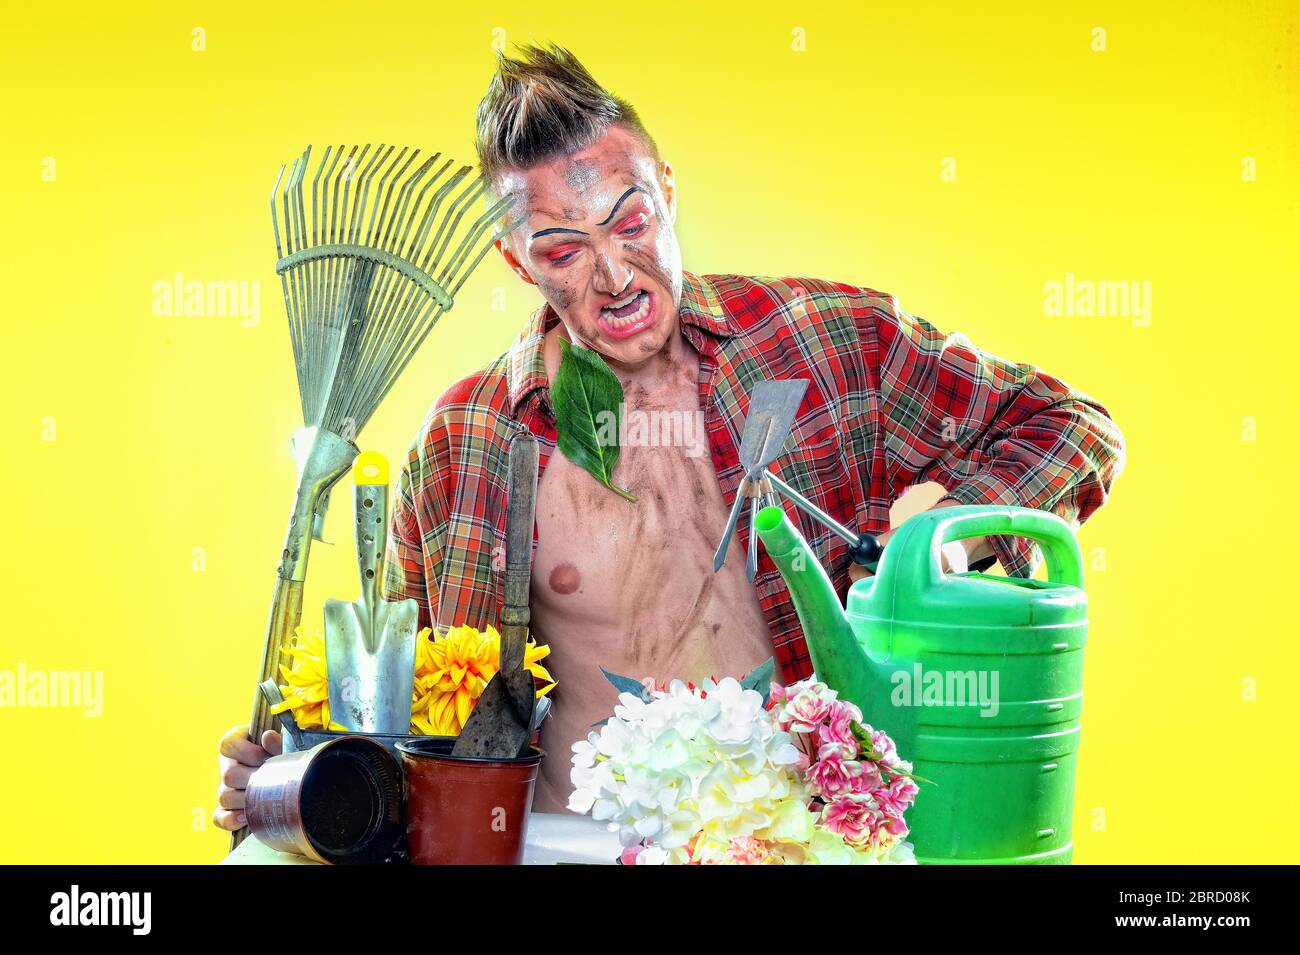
[[989, 430], [405, 573]]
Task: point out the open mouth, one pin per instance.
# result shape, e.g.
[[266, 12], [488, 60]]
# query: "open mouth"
[[629, 315]]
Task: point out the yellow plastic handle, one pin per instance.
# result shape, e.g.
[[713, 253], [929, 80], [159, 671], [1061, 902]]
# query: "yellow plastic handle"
[[370, 468]]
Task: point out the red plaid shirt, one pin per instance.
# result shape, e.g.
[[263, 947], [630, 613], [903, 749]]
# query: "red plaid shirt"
[[891, 402]]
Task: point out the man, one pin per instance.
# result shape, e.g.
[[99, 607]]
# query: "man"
[[629, 587]]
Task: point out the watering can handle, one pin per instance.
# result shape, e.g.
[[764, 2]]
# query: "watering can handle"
[[913, 552]]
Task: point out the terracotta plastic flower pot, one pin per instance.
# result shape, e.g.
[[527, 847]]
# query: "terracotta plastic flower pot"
[[466, 810]]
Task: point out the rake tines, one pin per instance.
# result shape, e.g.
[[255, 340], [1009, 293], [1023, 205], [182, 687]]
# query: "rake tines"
[[369, 273]]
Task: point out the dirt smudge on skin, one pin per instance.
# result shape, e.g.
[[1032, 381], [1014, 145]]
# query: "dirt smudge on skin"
[[587, 504], [653, 266], [559, 296], [688, 624]]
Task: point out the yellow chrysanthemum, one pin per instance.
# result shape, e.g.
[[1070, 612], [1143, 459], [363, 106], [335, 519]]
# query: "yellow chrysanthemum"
[[306, 688], [451, 672]]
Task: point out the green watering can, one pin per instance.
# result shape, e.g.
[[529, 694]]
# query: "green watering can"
[[977, 677]]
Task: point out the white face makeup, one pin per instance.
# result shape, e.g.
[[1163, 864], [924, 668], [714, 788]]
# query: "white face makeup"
[[600, 245]]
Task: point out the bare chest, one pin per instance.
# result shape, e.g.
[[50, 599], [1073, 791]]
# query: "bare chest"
[[634, 582], [629, 587], [601, 557]]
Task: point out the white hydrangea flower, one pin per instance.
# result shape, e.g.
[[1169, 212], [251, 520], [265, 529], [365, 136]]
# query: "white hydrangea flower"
[[695, 772]]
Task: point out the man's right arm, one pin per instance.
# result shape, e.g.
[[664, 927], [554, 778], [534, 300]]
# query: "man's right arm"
[[405, 574]]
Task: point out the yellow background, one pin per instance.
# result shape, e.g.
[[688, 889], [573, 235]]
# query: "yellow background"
[[170, 433]]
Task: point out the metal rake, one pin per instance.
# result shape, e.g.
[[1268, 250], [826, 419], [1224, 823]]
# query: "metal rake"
[[370, 256]]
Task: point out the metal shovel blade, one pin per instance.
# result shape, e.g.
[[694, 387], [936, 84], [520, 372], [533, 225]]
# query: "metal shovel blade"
[[500, 727], [370, 642], [772, 407], [370, 656]]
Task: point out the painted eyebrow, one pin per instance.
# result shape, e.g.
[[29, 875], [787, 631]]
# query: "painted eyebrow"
[[612, 212]]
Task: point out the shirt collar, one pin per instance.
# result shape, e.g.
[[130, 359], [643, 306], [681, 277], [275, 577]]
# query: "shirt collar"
[[700, 308]]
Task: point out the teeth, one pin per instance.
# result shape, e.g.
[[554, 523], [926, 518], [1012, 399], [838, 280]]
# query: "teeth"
[[624, 301], [636, 316]]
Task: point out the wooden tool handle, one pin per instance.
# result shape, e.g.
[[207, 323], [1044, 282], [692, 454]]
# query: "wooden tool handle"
[[286, 613], [521, 500]]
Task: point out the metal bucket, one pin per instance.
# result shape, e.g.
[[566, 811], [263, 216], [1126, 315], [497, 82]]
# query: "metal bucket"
[[307, 739], [339, 802]]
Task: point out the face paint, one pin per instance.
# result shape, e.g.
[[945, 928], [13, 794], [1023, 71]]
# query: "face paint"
[[600, 244], [581, 175]]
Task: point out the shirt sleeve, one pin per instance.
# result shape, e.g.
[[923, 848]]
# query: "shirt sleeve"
[[404, 566], [989, 430]]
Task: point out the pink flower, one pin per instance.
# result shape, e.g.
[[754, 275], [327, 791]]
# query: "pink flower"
[[837, 751], [628, 855], [869, 779], [746, 850], [897, 797], [808, 708], [884, 746], [856, 819], [838, 727], [832, 776], [853, 817], [778, 694]]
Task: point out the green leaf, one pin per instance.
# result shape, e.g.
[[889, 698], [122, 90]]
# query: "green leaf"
[[864, 740], [588, 400], [869, 751], [760, 678], [625, 684]]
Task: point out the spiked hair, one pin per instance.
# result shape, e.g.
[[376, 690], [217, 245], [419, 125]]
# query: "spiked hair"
[[541, 104]]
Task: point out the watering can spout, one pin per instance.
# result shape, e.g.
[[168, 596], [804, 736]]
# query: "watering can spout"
[[837, 657]]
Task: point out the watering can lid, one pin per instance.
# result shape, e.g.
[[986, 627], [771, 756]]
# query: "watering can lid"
[[910, 586]]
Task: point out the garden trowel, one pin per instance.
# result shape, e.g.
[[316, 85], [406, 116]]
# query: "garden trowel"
[[370, 643], [500, 727], [772, 407]]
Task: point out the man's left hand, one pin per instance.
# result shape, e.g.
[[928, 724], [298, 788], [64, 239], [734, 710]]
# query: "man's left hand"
[[975, 548]]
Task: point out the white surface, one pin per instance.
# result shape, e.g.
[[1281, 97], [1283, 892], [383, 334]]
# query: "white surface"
[[566, 837], [552, 838]]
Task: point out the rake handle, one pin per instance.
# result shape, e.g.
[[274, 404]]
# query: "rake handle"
[[286, 613]]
